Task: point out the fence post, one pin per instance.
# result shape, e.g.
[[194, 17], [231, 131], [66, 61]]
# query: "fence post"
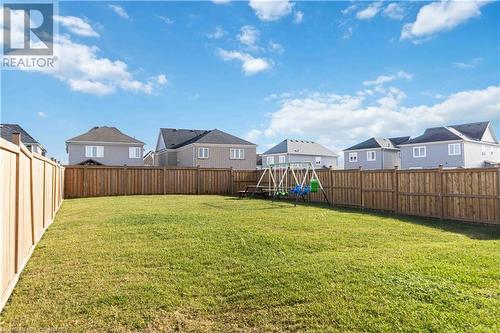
[[361, 199], [164, 180], [441, 187], [32, 206], [84, 180], [231, 181], [198, 180], [395, 192], [16, 139]]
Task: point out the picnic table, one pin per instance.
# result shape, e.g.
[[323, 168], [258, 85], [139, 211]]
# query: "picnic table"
[[253, 190]]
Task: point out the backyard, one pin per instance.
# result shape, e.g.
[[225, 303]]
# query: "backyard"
[[214, 263]]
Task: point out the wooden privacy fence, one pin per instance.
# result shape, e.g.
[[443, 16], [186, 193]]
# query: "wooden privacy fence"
[[31, 189], [471, 195]]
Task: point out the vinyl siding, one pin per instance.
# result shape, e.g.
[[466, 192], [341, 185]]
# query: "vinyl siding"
[[219, 157], [114, 155], [474, 157], [386, 159], [326, 161], [436, 154]]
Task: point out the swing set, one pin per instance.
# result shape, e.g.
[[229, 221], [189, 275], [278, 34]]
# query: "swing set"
[[288, 180]]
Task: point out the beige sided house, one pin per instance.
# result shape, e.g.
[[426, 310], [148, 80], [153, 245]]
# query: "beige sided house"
[[206, 149]]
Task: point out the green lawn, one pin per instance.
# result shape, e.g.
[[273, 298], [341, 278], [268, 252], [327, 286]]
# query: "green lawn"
[[211, 264]]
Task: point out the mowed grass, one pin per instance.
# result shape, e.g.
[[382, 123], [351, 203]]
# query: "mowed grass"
[[219, 264]]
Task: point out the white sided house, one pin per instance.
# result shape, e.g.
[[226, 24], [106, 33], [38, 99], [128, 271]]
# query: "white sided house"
[[204, 148], [105, 146], [374, 154], [471, 145], [289, 151]]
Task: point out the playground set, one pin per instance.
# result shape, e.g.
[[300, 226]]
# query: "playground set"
[[295, 180]]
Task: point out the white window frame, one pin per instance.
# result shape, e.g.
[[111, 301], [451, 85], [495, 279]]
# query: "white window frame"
[[282, 159], [89, 151], [317, 160], [418, 149], [201, 153], [134, 152], [371, 155], [237, 154], [353, 157], [454, 149], [269, 160]]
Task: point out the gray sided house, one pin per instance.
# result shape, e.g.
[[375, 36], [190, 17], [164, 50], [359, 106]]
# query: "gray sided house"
[[289, 151], [105, 146], [6, 131], [471, 145], [204, 148], [374, 154]]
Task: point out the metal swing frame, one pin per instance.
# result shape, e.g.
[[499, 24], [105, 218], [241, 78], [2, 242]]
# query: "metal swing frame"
[[278, 178]]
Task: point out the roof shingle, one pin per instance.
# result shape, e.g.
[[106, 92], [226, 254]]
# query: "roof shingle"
[[105, 134]]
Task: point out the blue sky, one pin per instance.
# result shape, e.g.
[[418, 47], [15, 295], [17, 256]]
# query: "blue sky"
[[334, 72]]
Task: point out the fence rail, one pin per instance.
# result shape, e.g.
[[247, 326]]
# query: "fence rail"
[[31, 190], [471, 195]]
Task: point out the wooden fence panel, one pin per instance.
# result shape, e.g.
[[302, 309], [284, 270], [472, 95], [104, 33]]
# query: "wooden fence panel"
[[31, 193], [378, 190], [346, 187]]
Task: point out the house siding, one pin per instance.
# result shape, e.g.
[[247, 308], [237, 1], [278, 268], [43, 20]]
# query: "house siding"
[[114, 155], [219, 157], [384, 159], [326, 161], [436, 155], [473, 153]]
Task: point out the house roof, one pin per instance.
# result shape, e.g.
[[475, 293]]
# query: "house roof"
[[176, 138], [472, 131], [6, 131], [300, 147], [149, 153], [104, 134], [390, 143]]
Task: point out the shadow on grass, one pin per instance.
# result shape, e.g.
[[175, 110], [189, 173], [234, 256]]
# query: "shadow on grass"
[[473, 231]]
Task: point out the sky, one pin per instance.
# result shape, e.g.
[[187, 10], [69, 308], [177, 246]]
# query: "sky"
[[334, 72]]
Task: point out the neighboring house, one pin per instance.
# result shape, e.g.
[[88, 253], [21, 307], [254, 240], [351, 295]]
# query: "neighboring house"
[[105, 146], [374, 154], [149, 158], [459, 146], [289, 151], [204, 148], [6, 131]]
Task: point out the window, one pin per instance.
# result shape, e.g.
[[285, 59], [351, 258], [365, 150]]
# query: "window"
[[318, 160], [371, 155], [134, 152], [483, 150], [281, 159], [202, 152], [419, 152], [270, 160], [237, 154], [491, 150], [454, 149], [353, 157], [94, 151]]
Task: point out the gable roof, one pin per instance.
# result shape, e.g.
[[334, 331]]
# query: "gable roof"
[[104, 134], [6, 131], [471, 131], [374, 143], [176, 138], [300, 147]]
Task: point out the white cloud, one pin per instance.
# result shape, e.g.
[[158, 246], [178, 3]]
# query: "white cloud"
[[467, 65], [271, 10], [217, 34], [369, 12], [253, 135], [162, 79], [249, 36], [275, 47], [250, 65], [342, 120], [119, 11], [76, 25], [441, 16], [395, 11], [41, 114], [299, 16], [348, 33], [221, 2], [165, 19], [81, 67], [388, 78], [349, 9]]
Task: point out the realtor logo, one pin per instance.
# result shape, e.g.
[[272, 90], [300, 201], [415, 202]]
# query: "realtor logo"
[[28, 29]]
